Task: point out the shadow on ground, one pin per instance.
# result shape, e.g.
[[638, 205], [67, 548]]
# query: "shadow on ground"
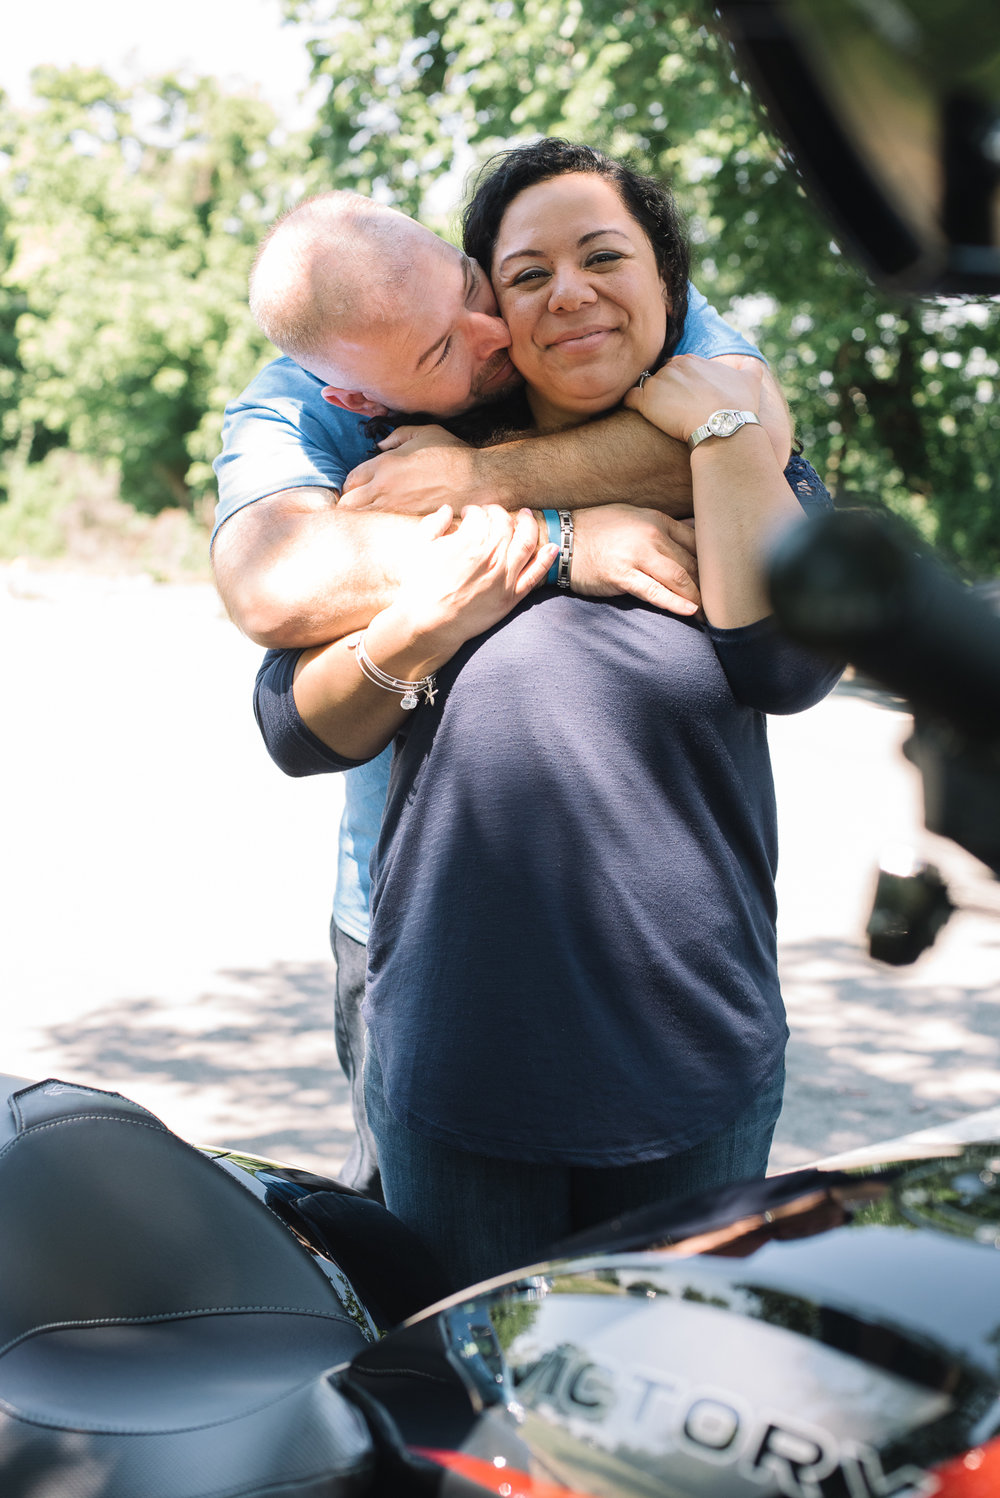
[[250, 1063], [877, 1052]]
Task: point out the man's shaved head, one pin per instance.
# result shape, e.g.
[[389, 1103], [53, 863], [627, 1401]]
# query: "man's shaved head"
[[391, 317], [333, 264]]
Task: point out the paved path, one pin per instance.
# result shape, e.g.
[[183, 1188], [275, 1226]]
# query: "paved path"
[[166, 894]]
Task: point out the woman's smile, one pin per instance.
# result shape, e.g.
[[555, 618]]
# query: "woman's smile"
[[581, 341], [579, 287]]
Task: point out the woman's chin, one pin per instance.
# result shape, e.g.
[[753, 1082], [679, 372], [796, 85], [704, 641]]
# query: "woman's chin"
[[569, 407]]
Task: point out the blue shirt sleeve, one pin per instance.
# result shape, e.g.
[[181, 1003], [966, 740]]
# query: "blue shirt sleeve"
[[707, 334], [281, 434]]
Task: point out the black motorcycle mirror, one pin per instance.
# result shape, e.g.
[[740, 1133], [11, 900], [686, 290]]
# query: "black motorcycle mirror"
[[891, 110], [852, 584]]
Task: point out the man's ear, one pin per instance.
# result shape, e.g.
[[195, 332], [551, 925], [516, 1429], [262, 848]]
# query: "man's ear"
[[353, 401]]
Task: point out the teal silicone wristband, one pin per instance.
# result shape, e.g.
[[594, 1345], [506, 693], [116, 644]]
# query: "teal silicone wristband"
[[555, 534]]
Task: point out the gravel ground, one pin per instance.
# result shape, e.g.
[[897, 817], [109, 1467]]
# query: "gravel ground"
[[167, 894]]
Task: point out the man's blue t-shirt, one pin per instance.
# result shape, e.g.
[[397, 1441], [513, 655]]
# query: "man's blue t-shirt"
[[281, 434]]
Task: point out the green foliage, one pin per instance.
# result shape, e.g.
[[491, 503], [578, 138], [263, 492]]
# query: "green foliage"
[[33, 517], [895, 403], [66, 507], [128, 221]]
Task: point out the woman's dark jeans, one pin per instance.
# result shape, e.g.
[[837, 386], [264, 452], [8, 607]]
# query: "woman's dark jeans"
[[482, 1216]]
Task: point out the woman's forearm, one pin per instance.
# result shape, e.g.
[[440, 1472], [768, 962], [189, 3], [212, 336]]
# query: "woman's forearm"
[[460, 582], [341, 705], [741, 499], [616, 459]]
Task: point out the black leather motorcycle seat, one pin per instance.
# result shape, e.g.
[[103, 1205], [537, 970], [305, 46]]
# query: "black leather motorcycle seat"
[[162, 1335], [179, 1374]]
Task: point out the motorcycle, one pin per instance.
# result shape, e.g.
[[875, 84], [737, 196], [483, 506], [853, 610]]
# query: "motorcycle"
[[180, 1323]]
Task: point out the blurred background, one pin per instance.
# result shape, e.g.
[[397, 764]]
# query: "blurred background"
[[142, 156], [166, 892]]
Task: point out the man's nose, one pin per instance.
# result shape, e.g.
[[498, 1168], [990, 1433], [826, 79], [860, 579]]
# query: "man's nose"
[[570, 288], [490, 333]]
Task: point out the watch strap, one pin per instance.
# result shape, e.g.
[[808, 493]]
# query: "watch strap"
[[724, 423]]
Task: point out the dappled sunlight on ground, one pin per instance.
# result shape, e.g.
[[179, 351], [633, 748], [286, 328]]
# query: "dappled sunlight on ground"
[[251, 1065], [876, 1051]]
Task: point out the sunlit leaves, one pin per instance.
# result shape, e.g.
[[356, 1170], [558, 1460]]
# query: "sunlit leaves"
[[130, 218]]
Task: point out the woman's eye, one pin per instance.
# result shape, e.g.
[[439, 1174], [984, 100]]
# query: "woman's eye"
[[604, 257], [534, 273]]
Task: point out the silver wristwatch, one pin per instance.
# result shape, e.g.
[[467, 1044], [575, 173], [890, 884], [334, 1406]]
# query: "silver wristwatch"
[[722, 424]]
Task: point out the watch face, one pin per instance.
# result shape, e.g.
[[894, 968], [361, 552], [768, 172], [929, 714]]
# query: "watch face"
[[725, 423]]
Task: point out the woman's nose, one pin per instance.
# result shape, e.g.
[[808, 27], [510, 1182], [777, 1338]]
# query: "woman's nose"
[[570, 288]]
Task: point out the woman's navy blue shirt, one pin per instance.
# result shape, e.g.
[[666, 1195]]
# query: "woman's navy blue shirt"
[[572, 955]]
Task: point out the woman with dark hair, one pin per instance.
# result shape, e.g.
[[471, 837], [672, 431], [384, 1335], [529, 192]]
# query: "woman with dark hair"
[[650, 203], [573, 999]]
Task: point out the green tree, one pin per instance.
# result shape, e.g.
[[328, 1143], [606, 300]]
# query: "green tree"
[[11, 306], [895, 402], [130, 218]]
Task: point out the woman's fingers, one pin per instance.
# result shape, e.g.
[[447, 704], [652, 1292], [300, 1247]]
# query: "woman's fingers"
[[685, 392], [496, 554], [534, 571], [526, 563]]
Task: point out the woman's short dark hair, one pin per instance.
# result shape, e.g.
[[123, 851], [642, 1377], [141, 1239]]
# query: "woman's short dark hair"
[[649, 202]]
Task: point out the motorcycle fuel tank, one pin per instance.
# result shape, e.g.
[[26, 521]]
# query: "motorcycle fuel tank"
[[819, 1335]]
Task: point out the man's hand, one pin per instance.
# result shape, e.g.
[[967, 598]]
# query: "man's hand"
[[428, 468], [412, 438], [621, 549]]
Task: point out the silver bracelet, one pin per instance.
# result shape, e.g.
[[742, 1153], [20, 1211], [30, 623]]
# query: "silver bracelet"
[[409, 689], [566, 552]]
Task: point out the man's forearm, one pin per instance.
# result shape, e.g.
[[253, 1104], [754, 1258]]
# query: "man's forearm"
[[293, 570], [611, 460], [614, 459]]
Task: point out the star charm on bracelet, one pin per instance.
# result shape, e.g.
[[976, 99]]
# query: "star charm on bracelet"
[[409, 689]]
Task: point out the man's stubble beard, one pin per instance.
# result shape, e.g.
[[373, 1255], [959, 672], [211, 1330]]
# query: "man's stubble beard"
[[481, 394]]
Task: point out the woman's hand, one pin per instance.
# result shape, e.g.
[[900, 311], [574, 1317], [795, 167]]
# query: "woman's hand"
[[682, 395], [740, 494], [464, 578]]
